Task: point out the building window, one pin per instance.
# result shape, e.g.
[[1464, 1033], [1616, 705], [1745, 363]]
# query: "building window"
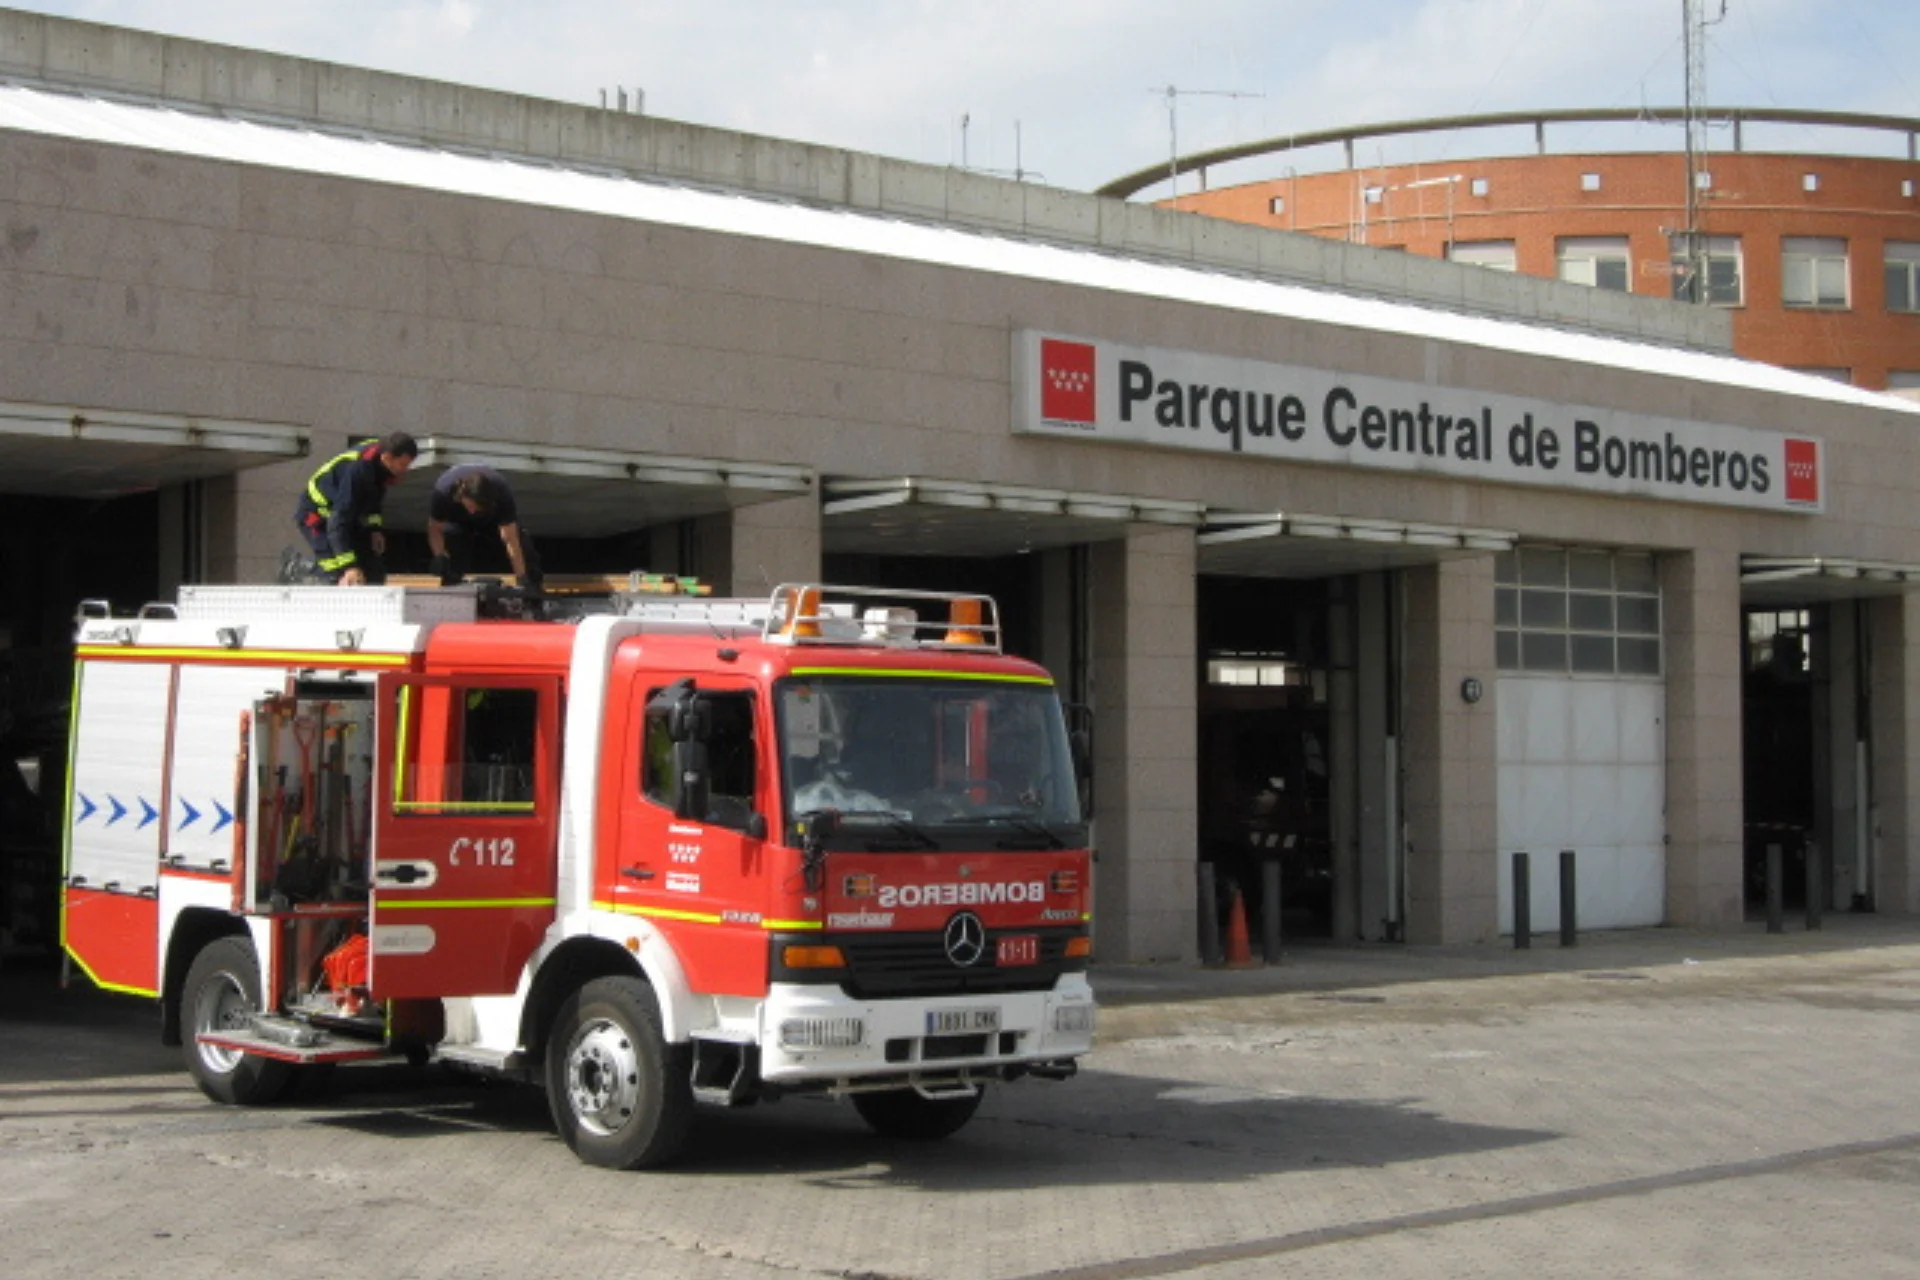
[[1712, 274], [1600, 261], [1903, 276], [1813, 272], [1903, 379], [1478, 187], [1277, 205], [1589, 182], [1577, 611], [1495, 255]]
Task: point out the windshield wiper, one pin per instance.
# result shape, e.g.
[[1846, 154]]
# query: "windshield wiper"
[[1026, 824], [897, 823]]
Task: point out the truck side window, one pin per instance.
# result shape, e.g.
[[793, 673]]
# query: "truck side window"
[[475, 751], [730, 759]]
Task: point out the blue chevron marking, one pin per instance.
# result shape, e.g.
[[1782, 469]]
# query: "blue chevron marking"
[[193, 815], [87, 808], [225, 816], [119, 810], [148, 814]]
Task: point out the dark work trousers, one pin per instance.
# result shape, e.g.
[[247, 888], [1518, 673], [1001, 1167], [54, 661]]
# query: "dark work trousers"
[[360, 543]]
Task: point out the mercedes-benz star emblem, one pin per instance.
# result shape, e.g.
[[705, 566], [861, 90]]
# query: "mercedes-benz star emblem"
[[966, 939]]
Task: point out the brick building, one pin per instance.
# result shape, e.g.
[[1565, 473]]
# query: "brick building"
[[1815, 255]]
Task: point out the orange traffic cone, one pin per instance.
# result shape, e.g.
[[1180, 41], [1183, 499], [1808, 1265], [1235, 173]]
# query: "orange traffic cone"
[[1239, 951]]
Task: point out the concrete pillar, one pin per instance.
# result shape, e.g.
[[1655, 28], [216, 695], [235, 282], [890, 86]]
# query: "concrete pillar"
[[1146, 737], [1894, 708], [761, 546], [1705, 653], [1453, 886]]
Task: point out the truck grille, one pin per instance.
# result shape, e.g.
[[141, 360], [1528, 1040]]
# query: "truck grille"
[[880, 966]]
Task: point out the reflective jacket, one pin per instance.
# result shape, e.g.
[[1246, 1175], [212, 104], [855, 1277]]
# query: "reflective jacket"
[[345, 496]]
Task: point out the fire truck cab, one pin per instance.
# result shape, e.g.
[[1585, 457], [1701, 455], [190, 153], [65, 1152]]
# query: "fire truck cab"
[[645, 849]]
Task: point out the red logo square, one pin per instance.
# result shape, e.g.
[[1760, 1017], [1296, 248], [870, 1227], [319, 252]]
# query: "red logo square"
[[1803, 471], [1066, 381]]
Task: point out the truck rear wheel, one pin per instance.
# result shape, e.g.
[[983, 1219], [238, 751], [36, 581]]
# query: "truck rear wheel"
[[913, 1117], [621, 1096], [220, 996]]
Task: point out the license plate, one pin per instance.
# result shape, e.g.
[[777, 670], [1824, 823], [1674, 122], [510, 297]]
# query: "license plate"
[[1017, 948], [948, 1022]]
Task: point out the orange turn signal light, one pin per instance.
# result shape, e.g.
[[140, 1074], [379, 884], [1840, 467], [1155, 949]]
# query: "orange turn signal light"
[[1080, 947], [816, 957]]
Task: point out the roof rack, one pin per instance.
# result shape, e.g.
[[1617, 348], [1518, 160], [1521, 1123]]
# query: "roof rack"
[[820, 613]]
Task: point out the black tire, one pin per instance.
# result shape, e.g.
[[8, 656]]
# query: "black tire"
[[221, 994], [910, 1117], [621, 1096]]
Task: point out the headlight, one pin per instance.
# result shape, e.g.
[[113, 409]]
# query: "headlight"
[[822, 1033], [1074, 1018]]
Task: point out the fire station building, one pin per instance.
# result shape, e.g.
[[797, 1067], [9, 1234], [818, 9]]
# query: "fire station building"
[[1379, 568]]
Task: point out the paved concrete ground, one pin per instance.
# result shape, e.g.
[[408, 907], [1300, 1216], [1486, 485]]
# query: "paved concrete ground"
[[1656, 1103]]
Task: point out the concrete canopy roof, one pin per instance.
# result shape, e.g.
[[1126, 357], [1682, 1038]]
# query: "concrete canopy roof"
[[1309, 546], [1793, 581], [63, 451], [592, 493], [916, 516]]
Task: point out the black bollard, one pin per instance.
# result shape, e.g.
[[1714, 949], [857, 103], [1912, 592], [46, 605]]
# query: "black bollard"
[[1816, 885], [1522, 904], [1270, 911], [1569, 920], [1775, 892], [1210, 952]]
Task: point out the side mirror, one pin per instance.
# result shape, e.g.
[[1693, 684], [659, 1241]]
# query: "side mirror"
[[1080, 747], [693, 795]]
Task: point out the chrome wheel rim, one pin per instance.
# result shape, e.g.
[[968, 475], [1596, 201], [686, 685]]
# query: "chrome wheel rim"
[[603, 1077]]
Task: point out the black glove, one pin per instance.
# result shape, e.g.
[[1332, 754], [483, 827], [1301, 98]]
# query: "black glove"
[[441, 566]]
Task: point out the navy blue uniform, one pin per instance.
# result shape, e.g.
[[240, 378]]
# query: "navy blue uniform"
[[341, 510]]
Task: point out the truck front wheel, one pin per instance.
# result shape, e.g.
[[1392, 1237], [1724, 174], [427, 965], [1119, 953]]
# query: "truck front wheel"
[[621, 1096], [220, 995], [913, 1117]]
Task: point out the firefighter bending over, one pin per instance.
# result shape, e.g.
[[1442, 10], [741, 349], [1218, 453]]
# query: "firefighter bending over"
[[339, 514], [470, 502]]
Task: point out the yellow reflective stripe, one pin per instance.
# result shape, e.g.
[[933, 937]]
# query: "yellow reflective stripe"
[[302, 657], [97, 981], [338, 562], [313, 482], [658, 913], [462, 806], [384, 903], [912, 674], [698, 917], [400, 743], [375, 521]]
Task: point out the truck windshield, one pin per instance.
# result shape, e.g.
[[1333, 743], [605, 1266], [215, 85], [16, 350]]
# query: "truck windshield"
[[930, 762]]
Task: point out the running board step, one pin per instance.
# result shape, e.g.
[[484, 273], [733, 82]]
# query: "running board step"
[[287, 1040]]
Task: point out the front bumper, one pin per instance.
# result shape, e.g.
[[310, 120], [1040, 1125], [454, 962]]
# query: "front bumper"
[[819, 1033]]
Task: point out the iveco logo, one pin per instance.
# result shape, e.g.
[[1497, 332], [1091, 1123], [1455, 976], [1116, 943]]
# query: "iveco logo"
[[966, 939]]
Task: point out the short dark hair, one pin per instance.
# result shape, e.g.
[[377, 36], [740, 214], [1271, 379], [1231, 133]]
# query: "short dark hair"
[[478, 488], [399, 444]]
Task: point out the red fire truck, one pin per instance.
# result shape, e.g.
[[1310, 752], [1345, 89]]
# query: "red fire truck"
[[646, 850]]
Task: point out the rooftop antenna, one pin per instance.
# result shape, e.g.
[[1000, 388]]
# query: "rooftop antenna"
[[1173, 95], [1695, 21]]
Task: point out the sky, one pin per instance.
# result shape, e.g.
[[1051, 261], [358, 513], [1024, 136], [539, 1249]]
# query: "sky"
[[1076, 93]]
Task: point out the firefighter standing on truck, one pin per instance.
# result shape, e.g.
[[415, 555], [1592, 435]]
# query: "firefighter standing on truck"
[[469, 503], [339, 514]]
